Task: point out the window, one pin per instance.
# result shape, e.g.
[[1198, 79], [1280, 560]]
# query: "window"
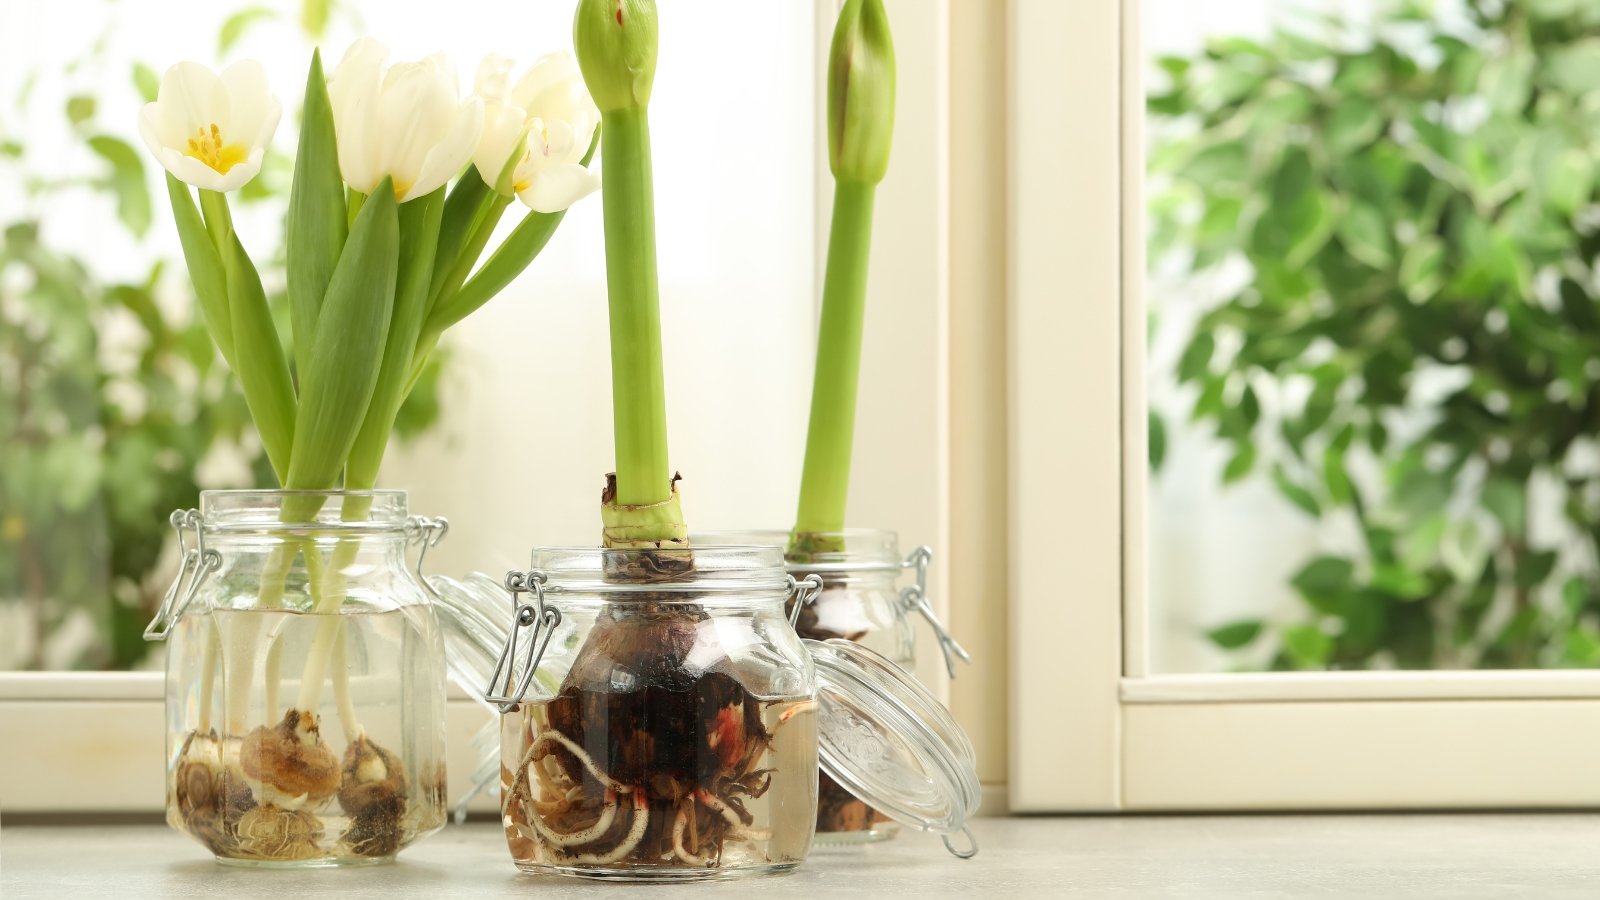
[[1120, 701]]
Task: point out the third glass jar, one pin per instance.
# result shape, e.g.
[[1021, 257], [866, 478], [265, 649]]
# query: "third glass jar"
[[865, 599]]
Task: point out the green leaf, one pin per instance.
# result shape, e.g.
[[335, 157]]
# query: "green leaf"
[[1244, 459], [205, 267], [1534, 568], [1324, 579], [1419, 546], [1196, 357], [1365, 234], [1295, 493], [1307, 646], [1353, 125], [1158, 441], [126, 181], [1568, 182], [316, 229], [1421, 268], [1579, 305], [259, 360], [146, 82], [419, 237], [1575, 68], [1507, 501], [1582, 648], [80, 108], [1574, 595], [1235, 635], [1218, 165], [462, 209], [1399, 581], [1334, 475], [235, 26], [348, 346]]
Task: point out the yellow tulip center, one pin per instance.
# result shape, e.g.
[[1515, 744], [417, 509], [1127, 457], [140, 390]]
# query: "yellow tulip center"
[[207, 146]]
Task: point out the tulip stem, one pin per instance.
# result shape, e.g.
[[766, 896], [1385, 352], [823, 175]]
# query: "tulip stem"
[[825, 482], [483, 225], [354, 207], [638, 392]]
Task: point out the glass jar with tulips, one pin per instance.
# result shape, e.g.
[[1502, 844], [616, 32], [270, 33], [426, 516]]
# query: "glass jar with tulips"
[[384, 254]]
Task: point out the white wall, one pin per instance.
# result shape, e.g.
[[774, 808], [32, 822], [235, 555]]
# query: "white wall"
[[526, 438]]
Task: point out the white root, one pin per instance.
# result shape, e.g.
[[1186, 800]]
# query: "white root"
[[328, 594], [274, 670], [641, 821], [208, 677], [717, 806], [341, 688], [242, 644], [678, 849], [551, 734], [608, 814], [793, 711]]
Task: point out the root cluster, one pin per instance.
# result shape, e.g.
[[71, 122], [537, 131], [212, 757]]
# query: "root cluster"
[[259, 797]]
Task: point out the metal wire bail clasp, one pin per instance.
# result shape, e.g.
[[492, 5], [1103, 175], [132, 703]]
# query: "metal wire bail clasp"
[[427, 533], [804, 593], [506, 688], [196, 565], [915, 598]]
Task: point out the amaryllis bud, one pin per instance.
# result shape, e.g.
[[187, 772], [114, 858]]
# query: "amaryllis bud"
[[860, 93], [616, 45]]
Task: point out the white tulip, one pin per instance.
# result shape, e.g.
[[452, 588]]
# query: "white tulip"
[[211, 130], [550, 118], [408, 122]]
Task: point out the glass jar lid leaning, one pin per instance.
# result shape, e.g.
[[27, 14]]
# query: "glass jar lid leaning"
[[566, 610], [865, 599]]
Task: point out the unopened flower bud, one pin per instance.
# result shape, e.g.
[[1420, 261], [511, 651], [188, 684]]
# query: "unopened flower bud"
[[860, 93], [616, 44]]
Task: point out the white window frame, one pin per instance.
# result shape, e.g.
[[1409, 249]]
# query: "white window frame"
[[1091, 728], [74, 742]]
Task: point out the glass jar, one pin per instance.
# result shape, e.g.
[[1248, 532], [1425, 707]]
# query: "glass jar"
[[660, 725], [305, 685], [861, 601]]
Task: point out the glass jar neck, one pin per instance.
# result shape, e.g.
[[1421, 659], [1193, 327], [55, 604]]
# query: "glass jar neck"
[[855, 552], [701, 571], [371, 516]]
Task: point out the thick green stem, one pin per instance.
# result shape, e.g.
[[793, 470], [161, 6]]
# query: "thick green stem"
[[825, 483], [639, 403]]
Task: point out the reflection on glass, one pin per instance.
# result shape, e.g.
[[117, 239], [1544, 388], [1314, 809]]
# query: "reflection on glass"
[[1375, 339]]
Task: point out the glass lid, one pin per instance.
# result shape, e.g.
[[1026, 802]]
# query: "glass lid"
[[888, 741]]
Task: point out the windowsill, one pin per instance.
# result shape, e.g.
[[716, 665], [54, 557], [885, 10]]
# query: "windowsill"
[[1457, 856]]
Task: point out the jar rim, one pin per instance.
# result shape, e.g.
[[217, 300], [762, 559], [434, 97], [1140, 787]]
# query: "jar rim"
[[853, 550], [254, 511], [716, 568]]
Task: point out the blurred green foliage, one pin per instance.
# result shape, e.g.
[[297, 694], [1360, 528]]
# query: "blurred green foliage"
[[110, 401], [1415, 355]]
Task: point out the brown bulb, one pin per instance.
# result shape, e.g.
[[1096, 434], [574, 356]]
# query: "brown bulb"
[[292, 758]]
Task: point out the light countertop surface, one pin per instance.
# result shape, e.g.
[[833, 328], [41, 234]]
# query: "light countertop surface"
[[1406, 856]]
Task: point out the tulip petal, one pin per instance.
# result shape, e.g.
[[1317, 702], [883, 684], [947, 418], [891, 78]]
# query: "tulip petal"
[[503, 127], [555, 188], [253, 112], [191, 97], [451, 154], [493, 82], [353, 92]]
